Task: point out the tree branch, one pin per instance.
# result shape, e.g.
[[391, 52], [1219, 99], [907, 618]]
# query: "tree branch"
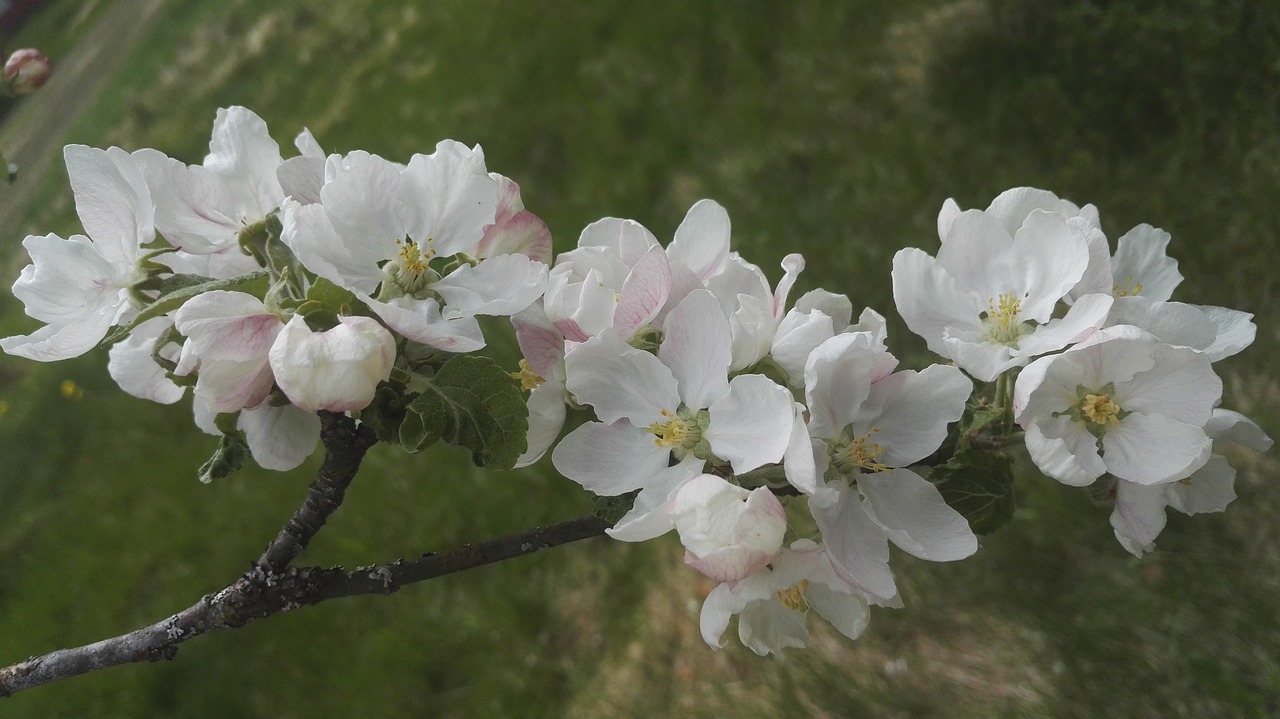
[[272, 586]]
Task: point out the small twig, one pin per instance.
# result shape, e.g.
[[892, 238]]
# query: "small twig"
[[345, 445]]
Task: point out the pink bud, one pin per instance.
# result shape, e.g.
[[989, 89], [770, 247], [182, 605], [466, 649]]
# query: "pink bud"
[[26, 71]]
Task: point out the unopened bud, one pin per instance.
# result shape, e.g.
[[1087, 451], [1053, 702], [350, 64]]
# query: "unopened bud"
[[26, 71]]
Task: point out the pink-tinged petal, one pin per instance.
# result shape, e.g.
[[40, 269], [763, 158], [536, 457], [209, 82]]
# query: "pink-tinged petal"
[[1209, 489], [838, 379], [112, 200], [280, 438], [649, 517], [222, 325], [231, 385], [337, 369], [1152, 448], [500, 285], [683, 281], [728, 532], [792, 266], [1181, 386], [695, 347], [130, 365], [1086, 314], [620, 381], [421, 321], [1049, 257], [643, 293], [1142, 259], [540, 342], [610, 459], [360, 199], [1061, 449], [916, 518], [546, 419], [523, 233], [628, 239], [1235, 332], [909, 412], [702, 240], [751, 424], [978, 254], [1174, 323], [930, 301], [448, 197], [1138, 516], [859, 548]]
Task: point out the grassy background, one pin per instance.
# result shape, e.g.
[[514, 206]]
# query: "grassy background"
[[833, 129]]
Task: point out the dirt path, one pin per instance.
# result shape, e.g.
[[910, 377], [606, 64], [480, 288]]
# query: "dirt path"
[[33, 133]]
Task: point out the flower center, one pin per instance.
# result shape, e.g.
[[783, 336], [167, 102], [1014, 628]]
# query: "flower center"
[[681, 431], [1128, 288], [859, 455], [528, 378], [671, 433], [1001, 320], [793, 596], [1099, 409], [410, 269]]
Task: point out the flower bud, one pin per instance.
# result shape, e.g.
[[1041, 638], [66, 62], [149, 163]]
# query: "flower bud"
[[336, 370], [728, 532], [26, 71]]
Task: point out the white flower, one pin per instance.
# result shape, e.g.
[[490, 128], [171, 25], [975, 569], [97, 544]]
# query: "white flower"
[[1120, 402], [379, 226], [866, 424], [728, 532], [131, 366], [542, 372], [988, 299], [773, 604], [1139, 513], [336, 370], [81, 287], [680, 402]]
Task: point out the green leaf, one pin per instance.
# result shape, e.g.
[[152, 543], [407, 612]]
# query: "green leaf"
[[229, 457], [471, 402], [386, 412], [325, 302], [978, 485], [254, 283], [612, 509]]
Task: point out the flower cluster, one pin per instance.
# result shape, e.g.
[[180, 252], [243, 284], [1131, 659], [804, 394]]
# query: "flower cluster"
[[777, 438]]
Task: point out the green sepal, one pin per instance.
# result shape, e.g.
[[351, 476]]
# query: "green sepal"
[[978, 485], [612, 509], [385, 413], [231, 453], [254, 283], [471, 402], [325, 302]]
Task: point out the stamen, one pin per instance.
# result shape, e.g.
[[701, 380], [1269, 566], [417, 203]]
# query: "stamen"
[[671, 433], [1099, 409], [528, 378], [859, 455], [1128, 288], [1001, 320], [412, 257], [793, 596]]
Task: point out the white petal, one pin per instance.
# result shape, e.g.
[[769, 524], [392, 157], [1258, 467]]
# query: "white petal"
[[1142, 258], [546, 419], [649, 517], [1209, 489], [130, 364], [1174, 323], [931, 301], [695, 347], [1181, 386], [112, 200], [702, 239], [797, 336], [1151, 448], [911, 411], [643, 293], [977, 253], [610, 459], [838, 379], [421, 321], [1235, 331], [751, 424], [1230, 427], [1071, 457], [1049, 257], [449, 197], [620, 381], [859, 548], [1138, 516], [280, 438], [916, 518], [501, 285], [337, 369]]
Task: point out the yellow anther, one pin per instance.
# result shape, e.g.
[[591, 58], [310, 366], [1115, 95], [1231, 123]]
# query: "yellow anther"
[[1128, 288], [793, 596], [412, 257], [670, 433], [1099, 409], [860, 454], [1002, 318], [528, 378]]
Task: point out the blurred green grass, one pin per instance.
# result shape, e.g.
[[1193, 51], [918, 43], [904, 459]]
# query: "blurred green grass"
[[831, 129]]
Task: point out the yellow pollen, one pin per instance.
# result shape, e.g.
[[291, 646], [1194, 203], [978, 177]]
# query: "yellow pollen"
[[793, 596], [1128, 288], [412, 258], [1002, 317], [1099, 409], [71, 390], [670, 433], [528, 378], [860, 454]]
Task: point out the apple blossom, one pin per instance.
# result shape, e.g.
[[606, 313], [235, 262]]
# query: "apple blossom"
[[728, 532], [337, 369]]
